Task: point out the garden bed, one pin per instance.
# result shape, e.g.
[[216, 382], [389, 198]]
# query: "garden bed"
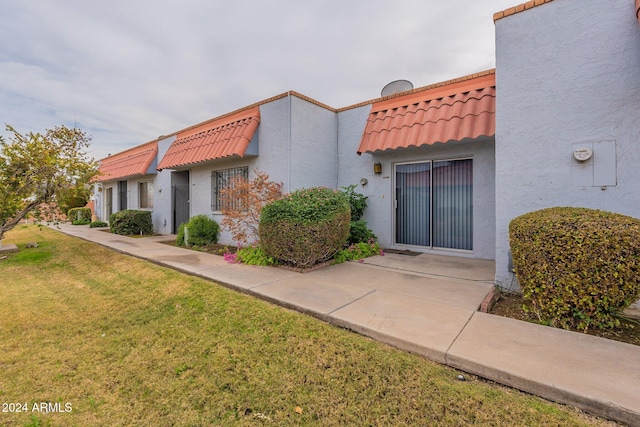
[[510, 305]]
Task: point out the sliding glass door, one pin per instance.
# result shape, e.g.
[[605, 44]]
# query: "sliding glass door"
[[434, 204]]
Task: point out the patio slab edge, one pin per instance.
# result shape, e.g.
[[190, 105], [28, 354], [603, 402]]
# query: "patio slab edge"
[[588, 404], [471, 352], [8, 248]]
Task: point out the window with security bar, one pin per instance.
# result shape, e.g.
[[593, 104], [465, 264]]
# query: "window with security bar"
[[225, 178]]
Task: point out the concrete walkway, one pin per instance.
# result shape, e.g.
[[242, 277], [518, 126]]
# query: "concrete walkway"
[[428, 305]]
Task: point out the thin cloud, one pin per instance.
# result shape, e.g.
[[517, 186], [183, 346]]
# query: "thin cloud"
[[128, 72]]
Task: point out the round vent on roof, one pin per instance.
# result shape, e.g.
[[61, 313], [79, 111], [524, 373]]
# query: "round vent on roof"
[[396, 86]]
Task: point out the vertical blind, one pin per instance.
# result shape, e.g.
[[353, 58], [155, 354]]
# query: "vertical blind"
[[435, 204], [413, 184]]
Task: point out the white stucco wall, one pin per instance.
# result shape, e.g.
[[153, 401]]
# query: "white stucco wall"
[[351, 167], [568, 74], [161, 214], [314, 145]]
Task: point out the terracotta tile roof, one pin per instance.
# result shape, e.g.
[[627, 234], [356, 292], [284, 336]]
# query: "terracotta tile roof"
[[227, 136], [462, 108], [132, 162], [519, 8]]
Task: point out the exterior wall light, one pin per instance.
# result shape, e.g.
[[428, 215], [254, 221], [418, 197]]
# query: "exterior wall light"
[[377, 168]]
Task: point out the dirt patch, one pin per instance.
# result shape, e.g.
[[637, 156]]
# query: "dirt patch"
[[511, 305], [215, 249], [313, 267]]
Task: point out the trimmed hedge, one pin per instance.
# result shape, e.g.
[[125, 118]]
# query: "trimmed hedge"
[[79, 216], [578, 267], [129, 222], [202, 231], [305, 227]]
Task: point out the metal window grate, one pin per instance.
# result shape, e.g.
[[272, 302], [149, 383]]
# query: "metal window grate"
[[222, 179]]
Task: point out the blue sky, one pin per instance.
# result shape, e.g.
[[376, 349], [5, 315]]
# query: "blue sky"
[[127, 71]]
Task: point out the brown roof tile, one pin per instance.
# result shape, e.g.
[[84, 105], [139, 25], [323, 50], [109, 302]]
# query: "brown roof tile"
[[462, 108], [132, 162], [227, 136], [519, 8]]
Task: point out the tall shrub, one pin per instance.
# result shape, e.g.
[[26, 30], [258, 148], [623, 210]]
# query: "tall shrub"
[[358, 230], [242, 202], [357, 201], [578, 267], [305, 227]]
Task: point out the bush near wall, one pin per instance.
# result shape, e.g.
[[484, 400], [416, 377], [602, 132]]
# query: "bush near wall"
[[129, 222], [202, 231], [358, 230], [305, 227], [578, 267], [79, 216]]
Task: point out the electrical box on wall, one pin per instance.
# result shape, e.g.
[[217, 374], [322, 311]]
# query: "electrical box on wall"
[[594, 164]]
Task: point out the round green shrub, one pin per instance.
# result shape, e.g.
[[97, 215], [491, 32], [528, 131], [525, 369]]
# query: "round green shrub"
[[305, 227], [577, 267], [202, 231]]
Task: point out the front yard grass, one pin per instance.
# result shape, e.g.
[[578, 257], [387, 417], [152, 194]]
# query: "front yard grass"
[[114, 341]]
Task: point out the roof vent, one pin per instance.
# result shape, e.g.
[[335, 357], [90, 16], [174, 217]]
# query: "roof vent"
[[396, 86]]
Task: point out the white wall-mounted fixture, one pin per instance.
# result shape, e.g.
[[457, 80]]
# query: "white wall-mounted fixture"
[[364, 181], [582, 154]]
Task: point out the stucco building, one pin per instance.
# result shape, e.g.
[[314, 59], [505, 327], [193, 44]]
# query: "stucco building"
[[445, 167]]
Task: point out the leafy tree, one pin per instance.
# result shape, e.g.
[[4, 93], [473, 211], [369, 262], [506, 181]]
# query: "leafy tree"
[[242, 202], [38, 169], [76, 197]]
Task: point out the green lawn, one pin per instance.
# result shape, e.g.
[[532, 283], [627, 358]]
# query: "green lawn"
[[107, 339]]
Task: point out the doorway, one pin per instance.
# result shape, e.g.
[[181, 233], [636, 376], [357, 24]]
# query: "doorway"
[[109, 202], [434, 204], [180, 200], [122, 195]]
